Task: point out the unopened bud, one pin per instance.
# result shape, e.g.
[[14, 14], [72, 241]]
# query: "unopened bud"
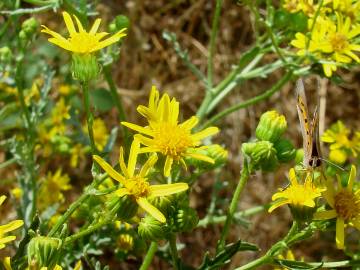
[[85, 67], [151, 229], [271, 126], [43, 252]]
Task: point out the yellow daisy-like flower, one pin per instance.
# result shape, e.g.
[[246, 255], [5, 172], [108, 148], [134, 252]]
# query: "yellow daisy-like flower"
[[345, 204], [80, 41], [11, 226], [165, 135], [53, 184], [297, 194], [350, 8], [7, 264], [331, 43], [306, 6], [340, 143], [136, 185]]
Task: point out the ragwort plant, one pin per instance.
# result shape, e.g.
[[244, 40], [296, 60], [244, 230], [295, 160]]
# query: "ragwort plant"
[[54, 116]]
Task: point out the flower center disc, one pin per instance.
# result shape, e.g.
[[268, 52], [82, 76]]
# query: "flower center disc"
[[137, 186], [84, 42], [172, 139], [347, 205], [339, 42]]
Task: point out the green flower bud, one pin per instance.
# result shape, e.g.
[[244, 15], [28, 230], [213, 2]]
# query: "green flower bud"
[[262, 155], [271, 126], [127, 207], [162, 203], [151, 229], [186, 219], [85, 67], [30, 27], [119, 23], [213, 151], [5, 55], [285, 150], [43, 252]]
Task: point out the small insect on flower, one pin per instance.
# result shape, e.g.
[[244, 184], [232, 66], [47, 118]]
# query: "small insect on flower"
[[80, 41], [165, 135], [136, 185], [345, 204]]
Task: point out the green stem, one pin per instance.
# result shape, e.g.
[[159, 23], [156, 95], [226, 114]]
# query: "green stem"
[[276, 87], [233, 205], [89, 116], [173, 251], [149, 256], [7, 163], [214, 31], [273, 251], [221, 219], [40, 2], [117, 99], [90, 229], [75, 205]]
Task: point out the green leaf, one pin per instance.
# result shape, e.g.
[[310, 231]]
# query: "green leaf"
[[102, 99], [224, 256], [10, 117]]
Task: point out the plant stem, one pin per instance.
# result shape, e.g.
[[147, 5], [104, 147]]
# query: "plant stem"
[[273, 251], [117, 99], [221, 219], [214, 31], [233, 205], [75, 205], [88, 230], [89, 116], [268, 93], [149, 256], [173, 251]]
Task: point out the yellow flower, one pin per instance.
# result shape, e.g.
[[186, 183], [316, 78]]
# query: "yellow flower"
[[297, 194], [51, 189], [340, 143], [125, 242], [331, 43], [64, 89], [77, 152], [80, 41], [350, 8], [345, 204], [165, 135], [136, 185], [11, 226], [306, 6], [7, 264], [60, 113], [101, 134]]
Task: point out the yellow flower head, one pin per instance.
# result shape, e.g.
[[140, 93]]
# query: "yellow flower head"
[[331, 42], [345, 204], [136, 185], [165, 135], [80, 41], [340, 143], [53, 184], [11, 226], [297, 194], [306, 6]]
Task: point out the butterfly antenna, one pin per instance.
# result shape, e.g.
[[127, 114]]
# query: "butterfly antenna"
[[333, 164]]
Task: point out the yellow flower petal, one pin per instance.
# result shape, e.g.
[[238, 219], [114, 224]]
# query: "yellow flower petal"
[[13, 225], [134, 151], [122, 163], [167, 167], [148, 165], [2, 199], [277, 204], [340, 237], [107, 168], [138, 128], [152, 210], [168, 189], [7, 263], [95, 27], [201, 157], [328, 214], [69, 23], [351, 178], [204, 133], [121, 192]]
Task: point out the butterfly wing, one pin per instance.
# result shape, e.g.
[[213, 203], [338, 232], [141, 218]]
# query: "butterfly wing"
[[306, 131]]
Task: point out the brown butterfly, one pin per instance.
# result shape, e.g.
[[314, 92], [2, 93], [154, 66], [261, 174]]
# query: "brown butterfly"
[[309, 130]]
